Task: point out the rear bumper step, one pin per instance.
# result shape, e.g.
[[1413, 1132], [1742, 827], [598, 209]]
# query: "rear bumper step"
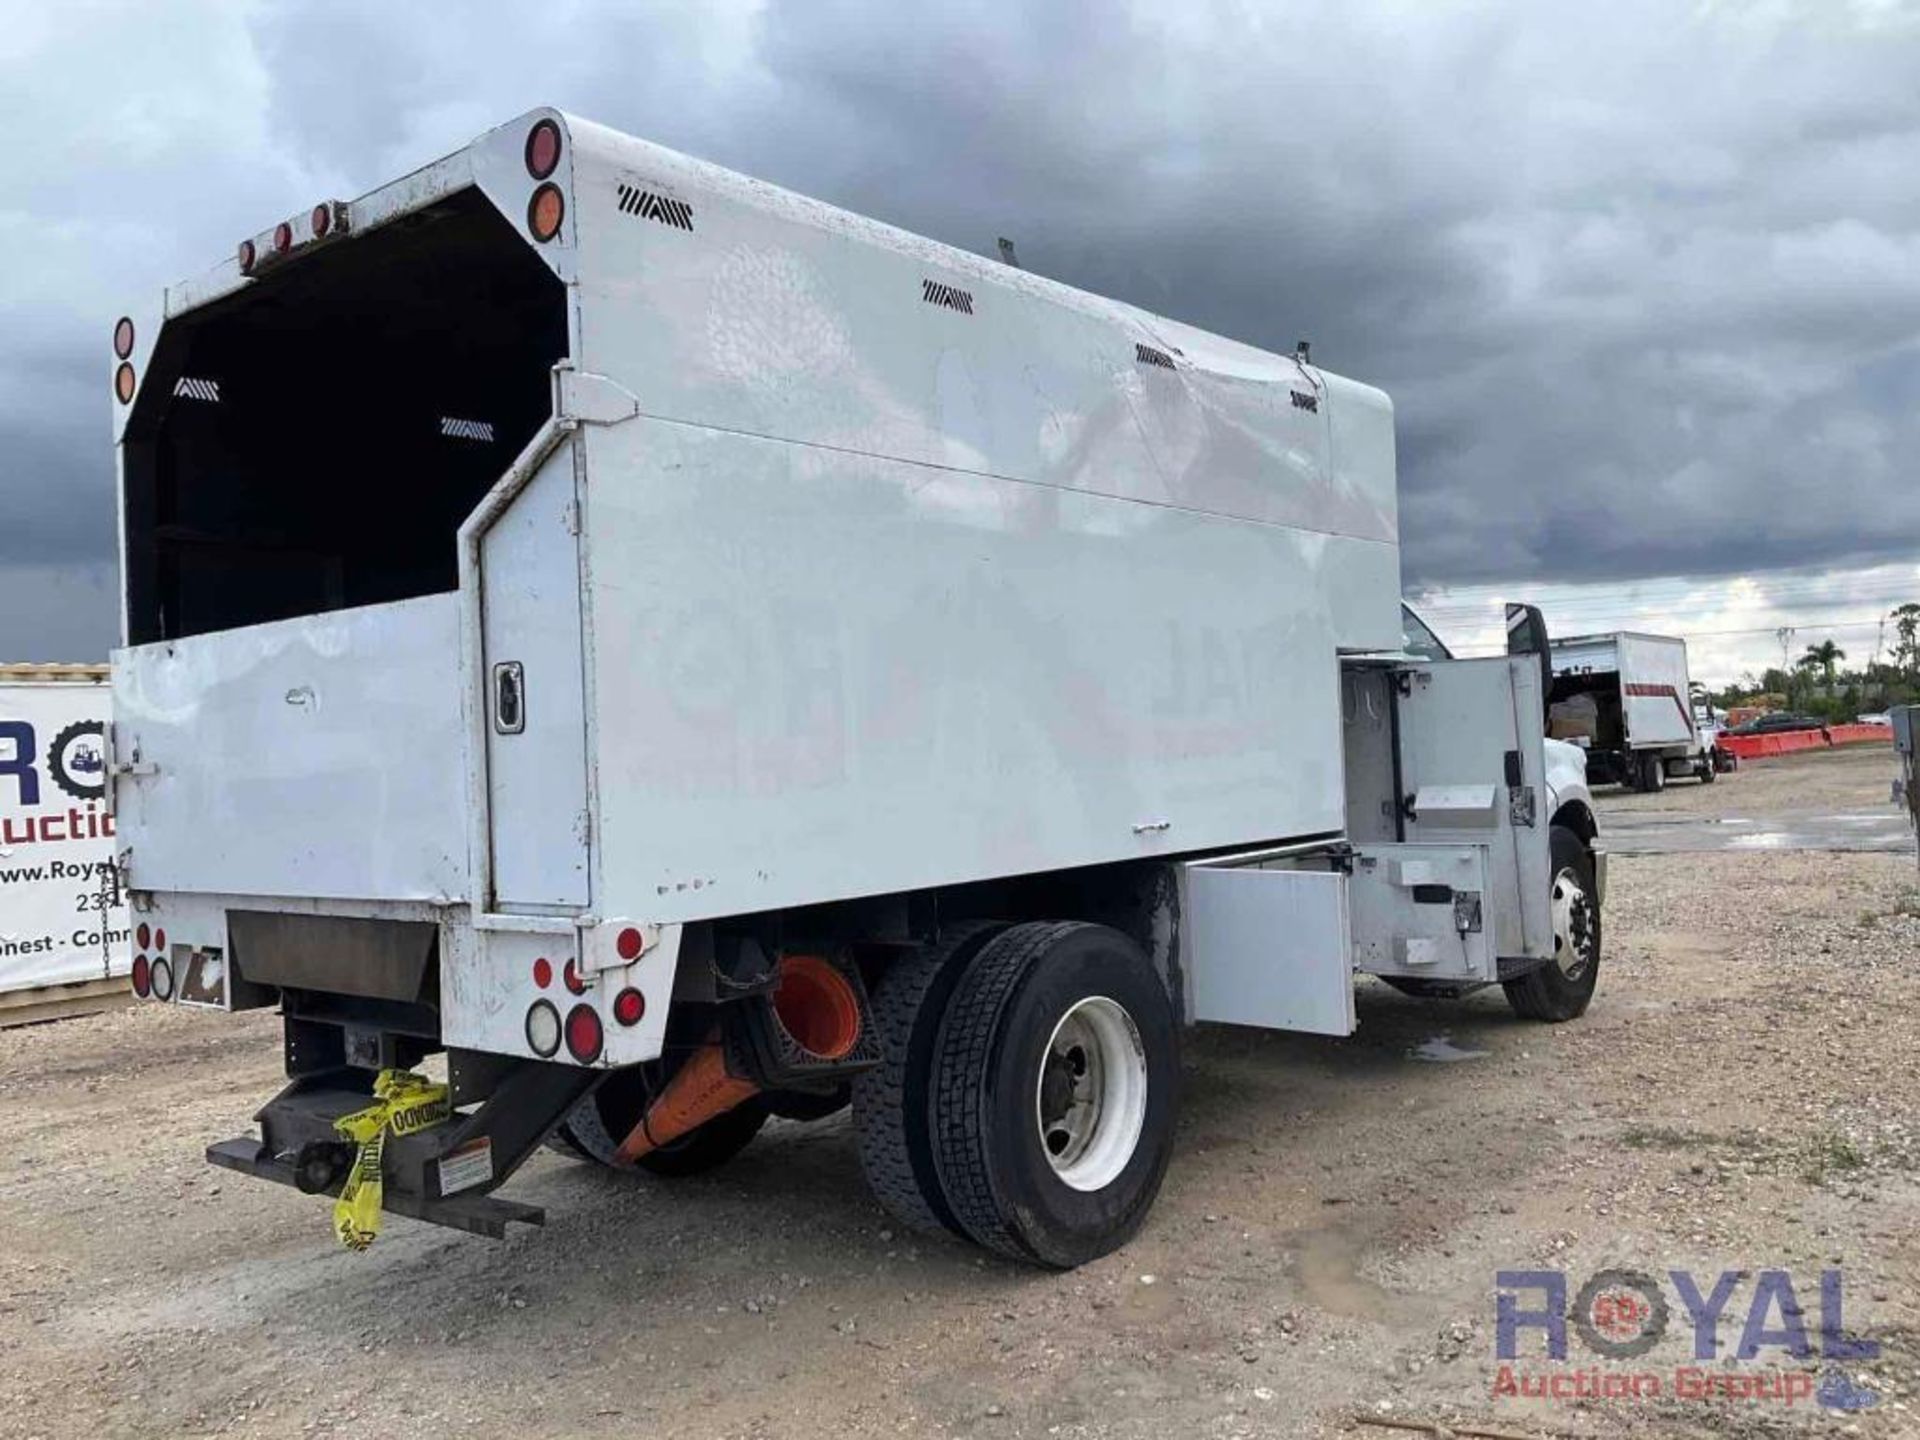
[[470, 1154], [476, 1214]]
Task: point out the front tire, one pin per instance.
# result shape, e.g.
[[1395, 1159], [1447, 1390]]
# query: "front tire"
[[1054, 1093], [1562, 988]]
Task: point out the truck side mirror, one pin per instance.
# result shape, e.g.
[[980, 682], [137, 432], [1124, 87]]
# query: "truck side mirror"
[[1527, 635]]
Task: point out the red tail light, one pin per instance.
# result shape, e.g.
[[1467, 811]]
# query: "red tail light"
[[123, 337], [629, 943], [247, 256], [321, 220], [160, 941], [543, 149], [629, 1006], [584, 1037], [143, 937], [283, 236], [142, 977], [574, 980], [543, 972]]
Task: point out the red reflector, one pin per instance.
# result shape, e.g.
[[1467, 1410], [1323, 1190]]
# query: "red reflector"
[[160, 940], [123, 337], [545, 211], [123, 383], [629, 943], [574, 982], [543, 149], [143, 937], [142, 977], [283, 236], [583, 1034], [629, 1006], [246, 256], [321, 220], [543, 972]]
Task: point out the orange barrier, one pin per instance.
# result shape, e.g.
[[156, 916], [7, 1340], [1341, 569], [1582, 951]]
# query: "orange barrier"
[[1756, 747]]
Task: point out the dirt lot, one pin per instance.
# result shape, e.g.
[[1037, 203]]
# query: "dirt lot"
[[1742, 1096]]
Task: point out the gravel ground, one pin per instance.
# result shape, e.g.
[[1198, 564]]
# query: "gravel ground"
[[1742, 1095]]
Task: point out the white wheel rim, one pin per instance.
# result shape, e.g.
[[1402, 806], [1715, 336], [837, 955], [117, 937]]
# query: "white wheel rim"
[[1090, 1098], [1572, 924]]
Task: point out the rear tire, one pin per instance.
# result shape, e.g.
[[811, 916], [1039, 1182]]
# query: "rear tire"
[[1562, 988], [1653, 775], [1055, 1090], [891, 1126]]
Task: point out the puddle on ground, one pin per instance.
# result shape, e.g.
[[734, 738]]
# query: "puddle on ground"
[[1442, 1051], [1326, 1263]]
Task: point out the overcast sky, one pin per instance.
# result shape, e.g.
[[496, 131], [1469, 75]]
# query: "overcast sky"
[[1643, 279]]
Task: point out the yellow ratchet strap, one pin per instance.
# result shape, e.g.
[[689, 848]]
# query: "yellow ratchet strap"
[[404, 1104]]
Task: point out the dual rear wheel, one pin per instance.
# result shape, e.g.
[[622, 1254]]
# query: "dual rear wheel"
[[1027, 1091]]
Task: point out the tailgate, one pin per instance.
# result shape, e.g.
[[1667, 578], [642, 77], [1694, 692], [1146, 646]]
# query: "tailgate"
[[319, 757]]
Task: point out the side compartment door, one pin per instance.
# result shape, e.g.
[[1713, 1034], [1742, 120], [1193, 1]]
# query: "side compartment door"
[[1267, 946], [1421, 911], [535, 693], [1473, 772]]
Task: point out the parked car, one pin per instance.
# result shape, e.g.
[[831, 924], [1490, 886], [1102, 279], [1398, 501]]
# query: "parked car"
[[1775, 722], [1883, 718]]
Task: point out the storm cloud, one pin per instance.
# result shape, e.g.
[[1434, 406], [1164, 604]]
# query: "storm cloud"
[[1643, 280]]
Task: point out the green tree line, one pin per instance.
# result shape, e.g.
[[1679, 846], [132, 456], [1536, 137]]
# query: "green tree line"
[[1820, 683]]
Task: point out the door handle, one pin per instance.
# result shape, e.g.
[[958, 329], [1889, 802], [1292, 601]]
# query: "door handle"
[[509, 698]]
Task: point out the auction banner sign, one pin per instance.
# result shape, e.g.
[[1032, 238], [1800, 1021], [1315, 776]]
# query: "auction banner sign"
[[62, 915]]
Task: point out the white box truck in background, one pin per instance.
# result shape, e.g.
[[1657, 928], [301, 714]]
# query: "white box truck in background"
[[1626, 698], [691, 654]]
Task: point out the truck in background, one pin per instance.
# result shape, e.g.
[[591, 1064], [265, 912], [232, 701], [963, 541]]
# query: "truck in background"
[[690, 654], [1625, 697]]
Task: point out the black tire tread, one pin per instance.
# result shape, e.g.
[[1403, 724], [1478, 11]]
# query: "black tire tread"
[[885, 1136], [1535, 996], [963, 1061]]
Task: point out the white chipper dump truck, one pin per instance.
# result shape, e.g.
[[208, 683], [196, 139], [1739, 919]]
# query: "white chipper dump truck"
[[689, 654]]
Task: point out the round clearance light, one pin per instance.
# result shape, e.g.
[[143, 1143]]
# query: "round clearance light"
[[142, 977], [583, 1034], [123, 383], [321, 220], [143, 937], [283, 237], [543, 149], [160, 940], [629, 943], [574, 980], [160, 977], [543, 972], [246, 256], [628, 1006], [543, 1028], [545, 211], [123, 337]]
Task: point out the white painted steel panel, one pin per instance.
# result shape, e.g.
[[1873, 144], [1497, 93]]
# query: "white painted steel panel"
[[537, 775], [1397, 933], [822, 674], [1268, 947], [779, 316], [320, 756], [1458, 725]]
